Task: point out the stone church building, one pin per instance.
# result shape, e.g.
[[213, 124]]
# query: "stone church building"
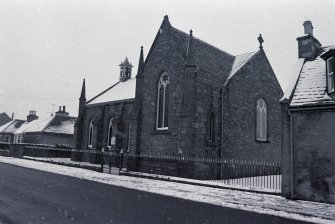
[[188, 98]]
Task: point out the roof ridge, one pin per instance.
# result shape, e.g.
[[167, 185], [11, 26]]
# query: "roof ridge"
[[103, 92], [204, 42], [331, 45], [252, 52], [242, 65]]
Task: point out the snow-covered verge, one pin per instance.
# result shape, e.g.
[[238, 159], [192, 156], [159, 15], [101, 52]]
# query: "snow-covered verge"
[[255, 184], [254, 202]]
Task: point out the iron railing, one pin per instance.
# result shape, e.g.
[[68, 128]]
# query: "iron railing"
[[252, 175]]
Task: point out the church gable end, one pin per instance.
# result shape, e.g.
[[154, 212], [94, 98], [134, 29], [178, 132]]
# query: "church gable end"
[[255, 81]]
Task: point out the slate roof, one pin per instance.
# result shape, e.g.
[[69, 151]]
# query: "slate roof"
[[239, 62], [119, 91], [311, 88], [55, 124], [212, 64], [26, 125], [4, 118], [11, 126]]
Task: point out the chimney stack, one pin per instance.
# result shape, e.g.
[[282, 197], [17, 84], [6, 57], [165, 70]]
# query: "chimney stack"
[[61, 112], [12, 116], [32, 116], [308, 28], [308, 45]]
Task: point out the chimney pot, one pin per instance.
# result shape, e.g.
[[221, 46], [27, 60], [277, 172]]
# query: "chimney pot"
[[308, 28], [60, 108], [63, 108]]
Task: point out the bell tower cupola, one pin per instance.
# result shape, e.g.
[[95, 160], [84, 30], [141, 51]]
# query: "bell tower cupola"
[[125, 70]]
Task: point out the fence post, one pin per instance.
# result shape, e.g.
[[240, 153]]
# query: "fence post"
[[102, 159], [121, 159], [110, 162]]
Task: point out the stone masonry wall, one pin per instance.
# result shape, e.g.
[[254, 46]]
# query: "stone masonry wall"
[[101, 115], [164, 57], [254, 81], [314, 156], [48, 138]]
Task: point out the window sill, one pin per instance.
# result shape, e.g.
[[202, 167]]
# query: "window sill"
[[262, 141], [161, 132]]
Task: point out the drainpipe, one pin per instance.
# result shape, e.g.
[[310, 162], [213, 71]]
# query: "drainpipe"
[[222, 117], [291, 154]]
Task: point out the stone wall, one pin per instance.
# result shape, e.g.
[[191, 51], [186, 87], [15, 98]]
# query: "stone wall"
[[254, 81], [164, 57], [313, 157], [48, 138], [101, 114]]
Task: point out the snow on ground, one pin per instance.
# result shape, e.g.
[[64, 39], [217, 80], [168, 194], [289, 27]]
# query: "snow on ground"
[[254, 202]]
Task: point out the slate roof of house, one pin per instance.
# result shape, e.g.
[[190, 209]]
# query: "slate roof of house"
[[26, 125], [4, 118], [11, 126], [119, 91], [310, 85], [55, 124]]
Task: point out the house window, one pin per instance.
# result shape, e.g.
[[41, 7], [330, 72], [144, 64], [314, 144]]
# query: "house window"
[[90, 135], [110, 133], [330, 74], [261, 120], [163, 102], [211, 127], [19, 138], [7, 139]]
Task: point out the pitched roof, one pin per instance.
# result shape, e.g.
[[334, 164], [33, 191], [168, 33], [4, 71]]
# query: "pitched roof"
[[11, 126], [61, 125], [294, 77], [26, 125], [311, 87], [211, 62], [55, 124], [119, 91], [240, 61], [4, 118]]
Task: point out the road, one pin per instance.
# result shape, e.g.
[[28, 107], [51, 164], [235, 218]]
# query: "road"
[[31, 196]]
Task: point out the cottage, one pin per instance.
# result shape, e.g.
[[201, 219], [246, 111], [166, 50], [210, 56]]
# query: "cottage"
[[308, 116], [7, 130], [55, 130]]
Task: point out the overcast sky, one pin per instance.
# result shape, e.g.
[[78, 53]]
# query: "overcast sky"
[[48, 46]]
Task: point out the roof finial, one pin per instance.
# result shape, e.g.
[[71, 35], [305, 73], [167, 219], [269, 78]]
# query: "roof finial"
[[190, 50], [83, 91], [261, 41], [140, 68]]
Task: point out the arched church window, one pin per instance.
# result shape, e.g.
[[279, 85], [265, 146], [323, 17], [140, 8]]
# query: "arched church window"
[[261, 120], [110, 133], [163, 102], [90, 134]]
